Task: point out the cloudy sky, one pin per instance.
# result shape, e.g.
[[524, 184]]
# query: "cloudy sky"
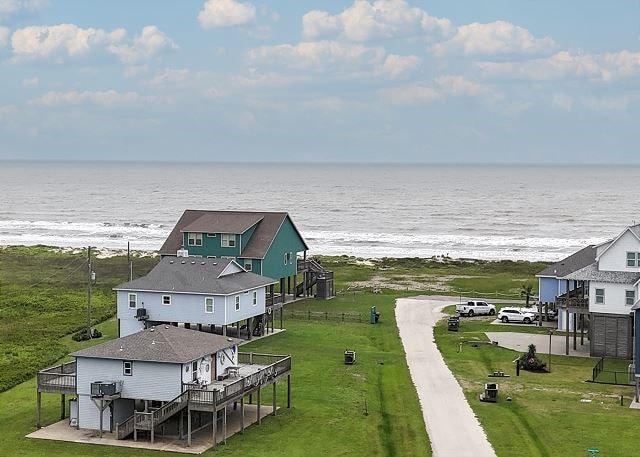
[[467, 81]]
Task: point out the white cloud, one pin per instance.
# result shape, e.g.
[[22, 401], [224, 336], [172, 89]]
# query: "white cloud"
[[366, 20], [610, 102], [398, 66], [498, 37], [4, 36], [254, 80], [564, 65], [151, 42], [10, 8], [319, 55], [170, 76], [414, 94], [334, 57], [30, 83], [46, 41], [459, 86], [442, 88], [104, 99], [562, 102], [226, 13]]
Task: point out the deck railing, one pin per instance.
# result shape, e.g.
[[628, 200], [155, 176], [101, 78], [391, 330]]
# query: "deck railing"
[[125, 429], [572, 302], [61, 378], [148, 420]]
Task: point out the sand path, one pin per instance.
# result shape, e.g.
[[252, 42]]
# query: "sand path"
[[451, 424]]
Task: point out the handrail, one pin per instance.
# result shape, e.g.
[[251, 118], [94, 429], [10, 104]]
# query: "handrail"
[[163, 413], [59, 378], [125, 428]]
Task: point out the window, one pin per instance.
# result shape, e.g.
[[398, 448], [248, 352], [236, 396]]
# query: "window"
[[127, 367], [194, 371], [286, 258], [208, 305], [166, 299], [237, 302], [211, 257], [194, 239], [633, 259], [630, 296], [211, 235], [290, 258], [600, 296], [255, 298], [228, 240], [248, 265], [133, 301]]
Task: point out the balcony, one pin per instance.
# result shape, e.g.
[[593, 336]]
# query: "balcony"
[[572, 302], [60, 379]]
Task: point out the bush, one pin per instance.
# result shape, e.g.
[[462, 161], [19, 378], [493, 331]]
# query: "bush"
[[84, 335], [530, 361]]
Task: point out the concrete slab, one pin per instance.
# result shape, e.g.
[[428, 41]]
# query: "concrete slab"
[[451, 424], [200, 442], [521, 341]]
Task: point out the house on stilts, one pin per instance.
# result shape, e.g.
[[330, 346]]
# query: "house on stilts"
[[165, 380]]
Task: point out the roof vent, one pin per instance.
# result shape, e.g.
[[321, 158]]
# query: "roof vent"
[[166, 326], [170, 261], [183, 262], [229, 339], [121, 347], [203, 263], [214, 263], [152, 329]]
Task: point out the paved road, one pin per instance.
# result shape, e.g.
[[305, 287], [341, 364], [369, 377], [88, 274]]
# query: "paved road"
[[521, 341], [451, 424]]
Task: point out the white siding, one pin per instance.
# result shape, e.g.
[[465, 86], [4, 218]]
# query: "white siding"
[[233, 267], [149, 381], [614, 298], [202, 374], [187, 308], [615, 259], [89, 415], [226, 358]]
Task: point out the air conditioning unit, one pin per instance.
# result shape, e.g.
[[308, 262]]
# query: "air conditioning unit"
[[182, 253], [141, 314], [105, 388]]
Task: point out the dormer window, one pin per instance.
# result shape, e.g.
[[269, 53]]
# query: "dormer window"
[[228, 240], [194, 239], [633, 259]]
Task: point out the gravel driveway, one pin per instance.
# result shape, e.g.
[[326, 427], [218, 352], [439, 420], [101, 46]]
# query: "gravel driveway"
[[452, 426]]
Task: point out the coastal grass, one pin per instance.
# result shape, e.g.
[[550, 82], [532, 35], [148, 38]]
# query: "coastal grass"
[[43, 296], [557, 413], [366, 409]]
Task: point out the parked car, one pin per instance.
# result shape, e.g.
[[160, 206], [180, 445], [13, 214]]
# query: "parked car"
[[475, 308], [516, 315]]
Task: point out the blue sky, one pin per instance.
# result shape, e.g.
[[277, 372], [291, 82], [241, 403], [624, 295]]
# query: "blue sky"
[[469, 81]]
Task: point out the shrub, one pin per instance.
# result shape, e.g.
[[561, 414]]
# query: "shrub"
[[83, 335], [530, 361]]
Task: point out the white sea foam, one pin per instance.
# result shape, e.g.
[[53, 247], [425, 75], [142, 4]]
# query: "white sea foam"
[[532, 213]]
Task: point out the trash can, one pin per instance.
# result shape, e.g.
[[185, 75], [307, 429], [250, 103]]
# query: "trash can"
[[490, 393], [453, 324], [349, 357], [372, 315]]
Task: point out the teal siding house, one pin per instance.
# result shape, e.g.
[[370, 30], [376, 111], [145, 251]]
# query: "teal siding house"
[[265, 243]]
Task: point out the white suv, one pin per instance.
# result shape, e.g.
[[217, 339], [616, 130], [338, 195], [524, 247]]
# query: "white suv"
[[516, 315]]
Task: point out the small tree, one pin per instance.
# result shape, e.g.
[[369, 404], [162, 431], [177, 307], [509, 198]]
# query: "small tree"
[[530, 361], [526, 292]]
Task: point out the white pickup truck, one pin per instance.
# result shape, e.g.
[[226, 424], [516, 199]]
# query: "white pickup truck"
[[475, 308]]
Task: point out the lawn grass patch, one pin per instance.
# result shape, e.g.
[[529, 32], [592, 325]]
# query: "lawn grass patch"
[[556, 413]]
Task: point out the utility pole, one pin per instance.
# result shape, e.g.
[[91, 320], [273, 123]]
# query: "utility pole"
[[89, 292], [129, 261]]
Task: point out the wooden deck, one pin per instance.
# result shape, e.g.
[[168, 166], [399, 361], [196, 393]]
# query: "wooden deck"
[[60, 379]]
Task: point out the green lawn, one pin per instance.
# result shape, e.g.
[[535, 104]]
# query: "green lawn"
[[556, 413], [368, 409]]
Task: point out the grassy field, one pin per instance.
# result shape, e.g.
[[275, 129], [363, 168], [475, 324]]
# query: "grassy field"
[[550, 414], [43, 296], [368, 409]]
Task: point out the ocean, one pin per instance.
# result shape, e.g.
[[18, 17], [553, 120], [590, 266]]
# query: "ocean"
[[368, 211]]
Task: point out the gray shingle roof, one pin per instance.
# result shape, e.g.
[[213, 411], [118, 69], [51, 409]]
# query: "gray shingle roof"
[[163, 343], [256, 248], [591, 273], [219, 222], [195, 275], [574, 262]]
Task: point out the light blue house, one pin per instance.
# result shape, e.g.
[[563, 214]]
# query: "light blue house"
[[204, 293], [153, 381]]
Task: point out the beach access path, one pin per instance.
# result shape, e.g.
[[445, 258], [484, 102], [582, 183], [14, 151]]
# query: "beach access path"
[[451, 424]]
